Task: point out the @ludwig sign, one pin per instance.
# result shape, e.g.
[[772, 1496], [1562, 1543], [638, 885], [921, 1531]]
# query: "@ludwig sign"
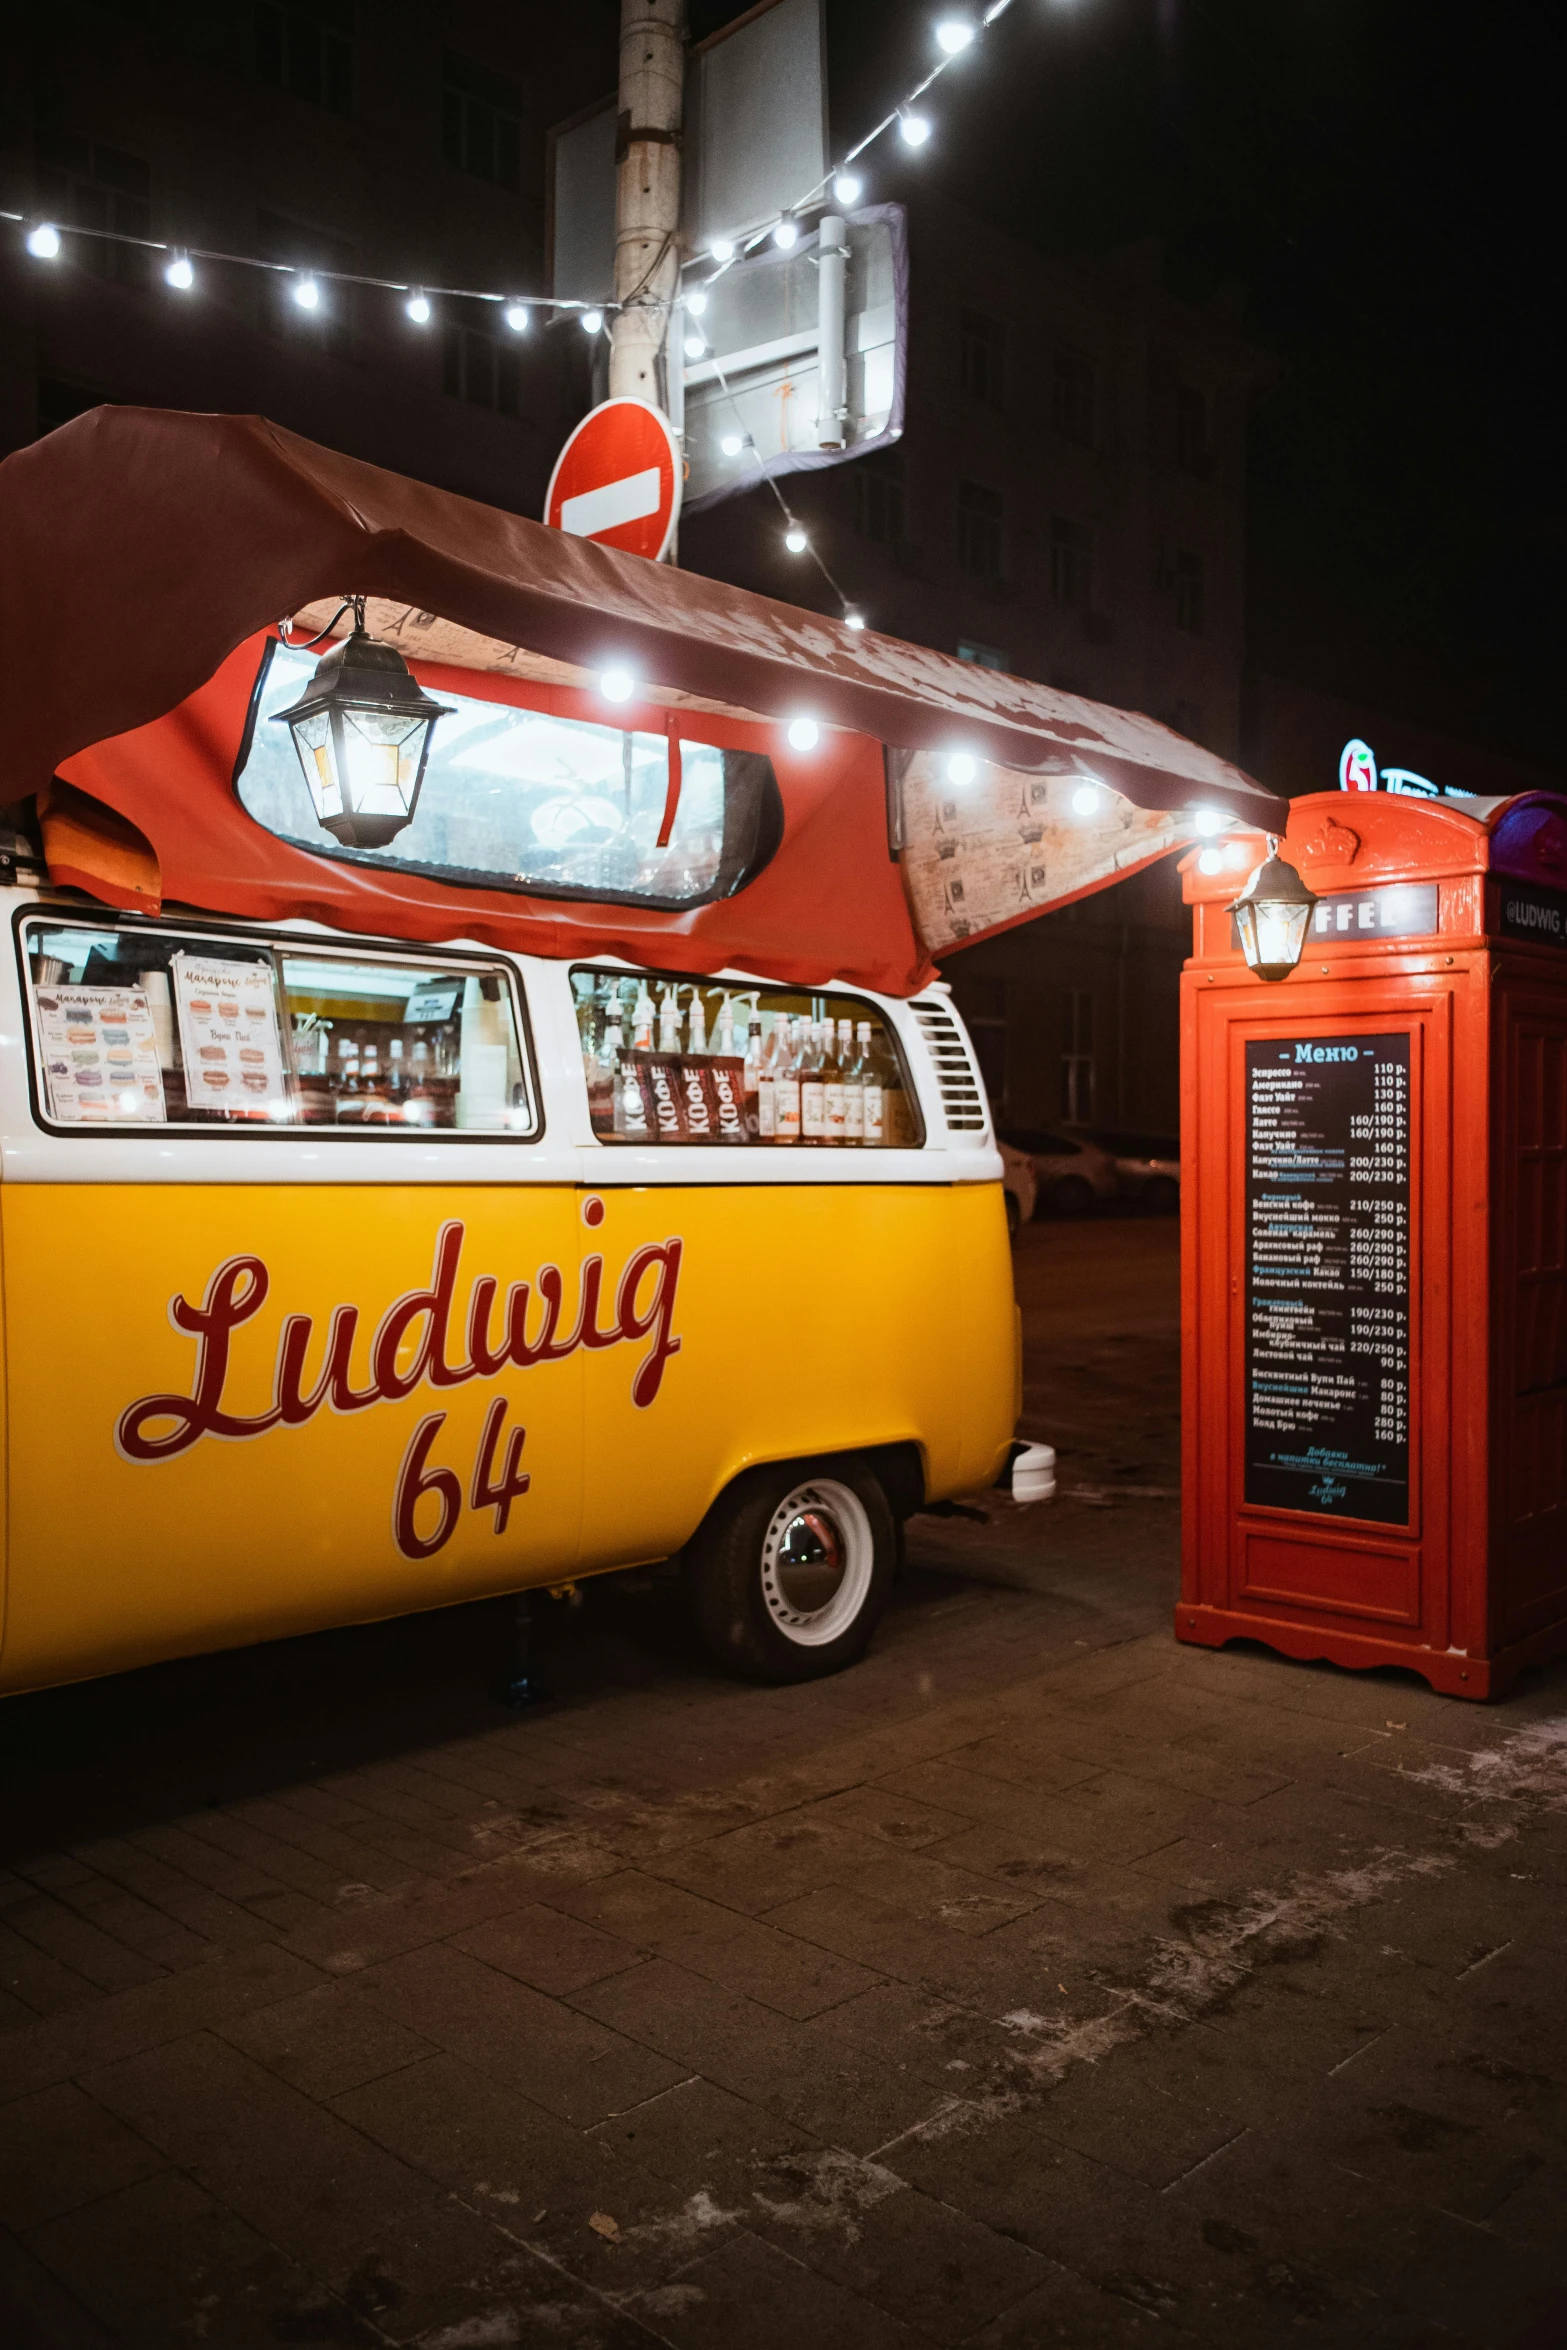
[[617, 480], [1358, 771]]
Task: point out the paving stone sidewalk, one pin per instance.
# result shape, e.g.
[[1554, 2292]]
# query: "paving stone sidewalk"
[[1038, 1983]]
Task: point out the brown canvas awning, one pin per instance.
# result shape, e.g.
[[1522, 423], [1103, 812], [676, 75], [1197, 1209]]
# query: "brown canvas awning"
[[139, 548]]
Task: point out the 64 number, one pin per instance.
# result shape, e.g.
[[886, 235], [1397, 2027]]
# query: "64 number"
[[488, 1490]]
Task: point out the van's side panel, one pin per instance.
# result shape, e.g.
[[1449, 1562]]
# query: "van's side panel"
[[809, 1319], [250, 1531]]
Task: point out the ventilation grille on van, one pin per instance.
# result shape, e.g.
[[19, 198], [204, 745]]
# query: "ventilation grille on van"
[[962, 1100]]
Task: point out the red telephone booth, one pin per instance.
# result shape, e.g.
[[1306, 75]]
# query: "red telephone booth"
[[1374, 1258]]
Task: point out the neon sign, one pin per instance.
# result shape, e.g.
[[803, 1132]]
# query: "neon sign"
[[1358, 771]]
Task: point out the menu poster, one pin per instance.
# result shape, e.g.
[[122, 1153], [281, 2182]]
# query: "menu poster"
[[229, 1037], [100, 1056], [1328, 1275]]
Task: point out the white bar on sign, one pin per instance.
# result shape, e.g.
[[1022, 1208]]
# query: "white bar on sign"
[[616, 502]]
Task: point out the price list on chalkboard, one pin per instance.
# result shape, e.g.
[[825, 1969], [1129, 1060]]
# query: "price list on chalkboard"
[[1327, 1275]]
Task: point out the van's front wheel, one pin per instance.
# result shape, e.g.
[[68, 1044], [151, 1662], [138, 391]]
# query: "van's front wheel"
[[791, 1568]]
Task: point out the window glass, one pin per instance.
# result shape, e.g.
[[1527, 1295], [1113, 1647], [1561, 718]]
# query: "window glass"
[[522, 799], [135, 1027], [671, 1060]]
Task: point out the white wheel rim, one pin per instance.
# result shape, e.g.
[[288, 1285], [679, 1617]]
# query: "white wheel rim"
[[819, 1527]]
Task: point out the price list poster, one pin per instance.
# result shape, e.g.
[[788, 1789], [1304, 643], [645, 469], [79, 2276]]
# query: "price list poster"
[[1327, 1308]]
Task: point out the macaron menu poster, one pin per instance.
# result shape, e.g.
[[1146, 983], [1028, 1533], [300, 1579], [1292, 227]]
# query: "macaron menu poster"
[[100, 1056], [229, 1037]]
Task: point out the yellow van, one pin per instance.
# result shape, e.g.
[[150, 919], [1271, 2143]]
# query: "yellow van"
[[342, 1279]]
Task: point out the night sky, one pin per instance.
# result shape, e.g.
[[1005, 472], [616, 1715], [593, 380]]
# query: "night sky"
[[1381, 178]]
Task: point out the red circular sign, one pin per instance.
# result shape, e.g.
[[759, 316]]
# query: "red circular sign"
[[617, 480]]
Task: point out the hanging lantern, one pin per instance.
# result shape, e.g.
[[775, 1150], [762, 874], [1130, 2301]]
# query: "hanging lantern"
[[362, 730], [1272, 914]]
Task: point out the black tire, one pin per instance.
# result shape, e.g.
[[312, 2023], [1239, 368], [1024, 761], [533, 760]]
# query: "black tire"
[[1072, 1196], [766, 1550], [1014, 1215], [1161, 1195]]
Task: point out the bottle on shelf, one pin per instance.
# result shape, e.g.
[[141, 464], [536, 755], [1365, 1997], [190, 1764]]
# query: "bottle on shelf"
[[851, 1062], [348, 1106], [786, 1085], [813, 1088], [761, 1051], [872, 1090], [696, 1025], [422, 1106], [396, 1075], [834, 1086], [642, 1020], [669, 1020], [724, 1044]]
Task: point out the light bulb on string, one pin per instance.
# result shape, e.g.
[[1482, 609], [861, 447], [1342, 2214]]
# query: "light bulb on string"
[[954, 34], [696, 302], [732, 443], [43, 241], [1210, 862], [179, 274], [306, 292], [592, 322], [518, 317], [913, 129], [848, 187], [722, 250], [417, 307], [617, 685], [696, 346], [787, 234], [1085, 800], [1207, 822], [853, 619], [962, 768], [795, 539], [804, 734]]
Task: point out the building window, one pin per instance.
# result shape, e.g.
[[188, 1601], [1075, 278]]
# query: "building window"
[[475, 368], [481, 121], [878, 499], [1188, 591], [84, 185], [982, 352], [1192, 451], [1077, 1062], [979, 530], [1071, 563], [330, 325], [983, 656], [1072, 397], [306, 47]]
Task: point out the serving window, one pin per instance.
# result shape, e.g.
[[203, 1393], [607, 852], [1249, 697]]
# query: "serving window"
[[532, 800], [136, 1027], [674, 1060]]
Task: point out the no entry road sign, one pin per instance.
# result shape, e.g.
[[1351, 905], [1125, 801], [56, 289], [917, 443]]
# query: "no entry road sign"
[[617, 480]]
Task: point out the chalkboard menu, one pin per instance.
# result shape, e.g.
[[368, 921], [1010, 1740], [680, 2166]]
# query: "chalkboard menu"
[[1327, 1275]]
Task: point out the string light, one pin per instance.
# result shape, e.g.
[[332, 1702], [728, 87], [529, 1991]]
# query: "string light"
[[180, 274], [418, 309], [954, 35], [696, 302], [962, 768], [848, 187], [617, 685], [804, 734], [593, 322], [913, 129], [733, 443], [795, 539], [696, 346], [1085, 800], [722, 250], [1210, 862], [307, 293], [787, 234], [517, 317], [853, 619], [1207, 822], [43, 242]]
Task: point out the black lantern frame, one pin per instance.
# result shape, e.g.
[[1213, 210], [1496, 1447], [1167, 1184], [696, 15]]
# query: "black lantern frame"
[[1273, 915], [362, 732]]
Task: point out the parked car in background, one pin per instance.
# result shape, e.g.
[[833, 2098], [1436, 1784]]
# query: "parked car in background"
[[1020, 1184], [1148, 1166], [1071, 1170]]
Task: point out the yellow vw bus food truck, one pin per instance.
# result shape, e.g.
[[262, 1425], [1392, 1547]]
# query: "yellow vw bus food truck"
[[475, 1110]]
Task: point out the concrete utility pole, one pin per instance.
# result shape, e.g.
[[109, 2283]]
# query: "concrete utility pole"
[[647, 191]]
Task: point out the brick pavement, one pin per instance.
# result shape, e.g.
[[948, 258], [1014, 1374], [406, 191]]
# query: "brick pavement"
[[1038, 1983]]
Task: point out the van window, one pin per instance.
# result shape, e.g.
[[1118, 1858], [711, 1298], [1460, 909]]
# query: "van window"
[[137, 1027], [675, 1060], [526, 800]]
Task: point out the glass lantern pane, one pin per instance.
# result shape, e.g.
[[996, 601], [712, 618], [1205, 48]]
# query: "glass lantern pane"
[[373, 753], [317, 759]]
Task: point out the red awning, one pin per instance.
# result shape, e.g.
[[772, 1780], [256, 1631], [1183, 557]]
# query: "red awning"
[[143, 553]]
